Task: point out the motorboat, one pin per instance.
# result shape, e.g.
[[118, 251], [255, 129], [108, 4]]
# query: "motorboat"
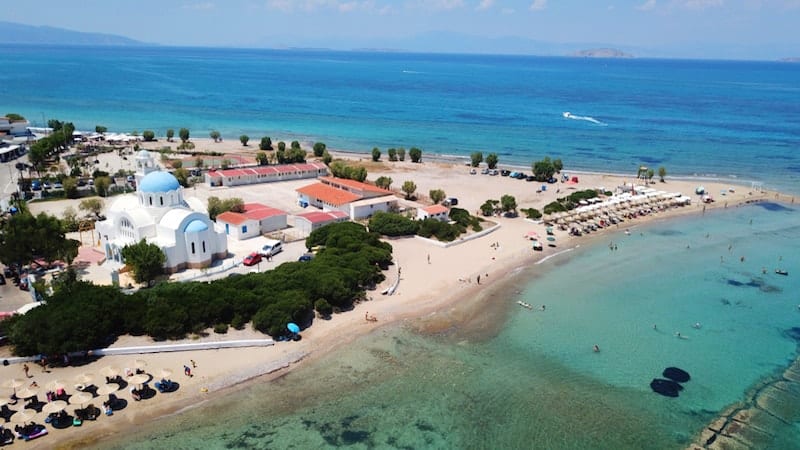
[[781, 272]]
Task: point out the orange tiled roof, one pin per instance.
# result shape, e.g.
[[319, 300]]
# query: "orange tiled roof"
[[328, 194], [435, 209], [232, 218], [352, 184]]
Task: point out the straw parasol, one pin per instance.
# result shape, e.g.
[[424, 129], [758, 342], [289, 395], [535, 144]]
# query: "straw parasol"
[[140, 364], [139, 379], [4, 401], [85, 378], [80, 398], [23, 416], [27, 393], [109, 371], [54, 407], [108, 388], [165, 373], [13, 383], [56, 385]]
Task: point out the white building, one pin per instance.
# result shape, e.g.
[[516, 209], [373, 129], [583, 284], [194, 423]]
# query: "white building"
[[310, 221], [357, 200], [159, 214], [256, 219], [438, 212], [265, 174]]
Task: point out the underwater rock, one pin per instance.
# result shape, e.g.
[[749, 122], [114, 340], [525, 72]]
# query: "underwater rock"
[[667, 388], [676, 374]]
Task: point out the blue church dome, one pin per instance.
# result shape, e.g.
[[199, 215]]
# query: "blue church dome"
[[195, 226], [159, 182]]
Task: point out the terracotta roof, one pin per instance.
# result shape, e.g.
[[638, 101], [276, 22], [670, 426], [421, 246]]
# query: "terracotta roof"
[[435, 209], [232, 218], [263, 213], [352, 184], [322, 217], [328, 194], [266, 170]]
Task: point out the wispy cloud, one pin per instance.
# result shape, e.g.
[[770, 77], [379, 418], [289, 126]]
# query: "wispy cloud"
[[649, 5], [538, 5], [343, 6], [198, 6], [484, 5], [699, 5]]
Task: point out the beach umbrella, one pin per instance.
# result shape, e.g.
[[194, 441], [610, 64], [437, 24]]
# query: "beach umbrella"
[[56, 385], [3, 401], [291, 326], [85, 378], [54, 407], [23, 416], [139, 379], [108, 388], [109, 371], [27, 393], [532, 235], [140, 364], [80, 398], [13, 383], [165, 373], [551, 238]]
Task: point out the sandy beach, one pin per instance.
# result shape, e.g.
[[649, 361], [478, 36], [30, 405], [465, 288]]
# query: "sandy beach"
[[433, 278]]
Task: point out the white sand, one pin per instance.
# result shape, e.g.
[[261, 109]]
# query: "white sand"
[[424, 288]]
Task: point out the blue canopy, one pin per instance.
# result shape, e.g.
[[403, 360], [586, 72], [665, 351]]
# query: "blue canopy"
[[291, 326]]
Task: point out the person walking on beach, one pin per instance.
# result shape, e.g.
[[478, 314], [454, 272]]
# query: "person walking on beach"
[[187, 371], [479, 279], [194, 364], [429, 258], [25, 369]]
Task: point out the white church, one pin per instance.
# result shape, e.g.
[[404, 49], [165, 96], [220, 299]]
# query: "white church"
[[158, 213]]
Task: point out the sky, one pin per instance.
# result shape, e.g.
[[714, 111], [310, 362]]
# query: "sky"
[[747, 29]]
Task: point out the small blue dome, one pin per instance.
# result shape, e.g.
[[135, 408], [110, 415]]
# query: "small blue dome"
[[159, 182], [195, 226]]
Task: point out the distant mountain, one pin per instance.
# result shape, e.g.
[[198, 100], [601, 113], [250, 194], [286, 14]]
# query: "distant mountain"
[[793, 59], [602, 53], [16, 33]]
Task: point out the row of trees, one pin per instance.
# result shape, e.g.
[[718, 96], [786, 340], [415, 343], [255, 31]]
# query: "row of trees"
[[398, 154], [350, 261], [569, 202], [506, 205]]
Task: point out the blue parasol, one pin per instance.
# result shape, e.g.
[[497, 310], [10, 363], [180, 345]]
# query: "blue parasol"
[[291, 326]]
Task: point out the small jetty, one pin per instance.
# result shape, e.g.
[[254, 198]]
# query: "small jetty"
[[524, 305]]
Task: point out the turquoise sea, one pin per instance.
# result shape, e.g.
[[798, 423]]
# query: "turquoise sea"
[[520, 379], [705, 118], [512, 378]]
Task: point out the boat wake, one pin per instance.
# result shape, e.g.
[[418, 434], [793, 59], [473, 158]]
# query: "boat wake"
[[569, 115]]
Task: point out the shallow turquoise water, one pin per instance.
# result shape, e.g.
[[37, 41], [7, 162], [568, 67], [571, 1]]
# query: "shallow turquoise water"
[[537, 383]]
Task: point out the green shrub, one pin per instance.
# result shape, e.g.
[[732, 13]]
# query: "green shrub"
[[391, 224], [221, 328], [532, 213], [323, 307], [238, 322]]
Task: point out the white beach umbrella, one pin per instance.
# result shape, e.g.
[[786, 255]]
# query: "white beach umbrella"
[[54, 407]]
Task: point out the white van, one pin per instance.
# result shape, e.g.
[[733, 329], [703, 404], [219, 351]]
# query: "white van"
[[272, 248]]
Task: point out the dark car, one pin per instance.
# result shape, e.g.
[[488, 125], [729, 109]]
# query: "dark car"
[[530, 178], [504, 173], [252, 259], [306, 258], [551, 180]]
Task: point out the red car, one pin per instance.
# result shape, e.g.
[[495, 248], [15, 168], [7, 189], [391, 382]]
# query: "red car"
[[252, 259]]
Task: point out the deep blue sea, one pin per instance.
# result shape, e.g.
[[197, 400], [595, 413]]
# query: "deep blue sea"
[[532, 382], [708, 118]]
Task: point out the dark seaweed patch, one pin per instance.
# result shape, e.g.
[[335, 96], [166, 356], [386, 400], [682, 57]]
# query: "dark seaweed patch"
[[422, 426], [773, 207], [667, 232], [733, 282], [350, 437]]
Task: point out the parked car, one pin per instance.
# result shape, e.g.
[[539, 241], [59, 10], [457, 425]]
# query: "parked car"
[[505, 173], [305, 258], [272, 248], [493, 172], [473, 171], [530, 178], [36, 185], [58, 186], [252, 259], [485, 171], [551, 180]]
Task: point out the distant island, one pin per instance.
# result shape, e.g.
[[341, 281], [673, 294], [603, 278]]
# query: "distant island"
[[602, 53], [793, 59], [17, 33]]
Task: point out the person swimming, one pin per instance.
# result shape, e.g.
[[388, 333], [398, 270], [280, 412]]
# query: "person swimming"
[[697, 325], [596, 348]]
